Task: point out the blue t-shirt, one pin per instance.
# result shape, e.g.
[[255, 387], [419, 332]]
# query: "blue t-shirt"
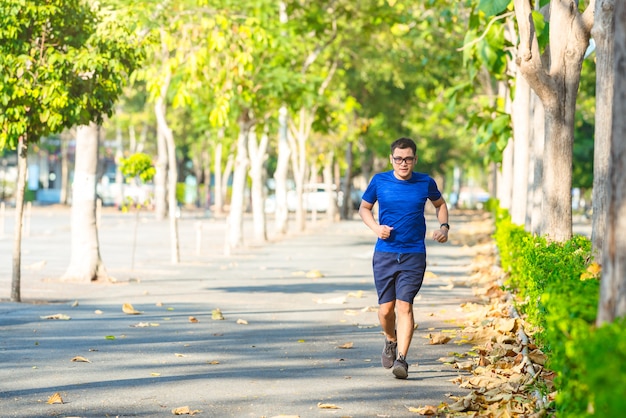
[[401, 206]]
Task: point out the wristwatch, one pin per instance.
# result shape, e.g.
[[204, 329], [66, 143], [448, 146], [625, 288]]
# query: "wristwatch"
[[446, 225]]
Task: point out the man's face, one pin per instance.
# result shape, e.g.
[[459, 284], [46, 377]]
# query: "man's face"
[[403, 161]]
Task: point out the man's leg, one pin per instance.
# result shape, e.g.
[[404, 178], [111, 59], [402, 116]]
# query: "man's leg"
[[387, 318], [405, 326], [405, 334]]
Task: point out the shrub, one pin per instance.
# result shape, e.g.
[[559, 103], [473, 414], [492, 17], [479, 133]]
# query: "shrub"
[[559, 299]]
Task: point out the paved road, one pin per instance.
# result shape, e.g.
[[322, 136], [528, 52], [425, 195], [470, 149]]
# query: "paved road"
[[276, 352]]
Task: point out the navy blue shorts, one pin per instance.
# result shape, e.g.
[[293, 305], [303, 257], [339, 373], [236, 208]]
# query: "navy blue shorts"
[[398, 276]]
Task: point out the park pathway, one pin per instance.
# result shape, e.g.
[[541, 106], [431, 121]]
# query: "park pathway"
[[299, 334]]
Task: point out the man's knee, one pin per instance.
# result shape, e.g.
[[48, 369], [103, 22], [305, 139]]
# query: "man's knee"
[[403, 307], [387, 309]]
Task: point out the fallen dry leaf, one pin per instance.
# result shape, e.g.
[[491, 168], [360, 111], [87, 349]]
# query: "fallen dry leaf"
[[314, 274], [321, 405], [216, 314], [213, 362], [346, 345], [424, 410], [128, 309], [184, 410], [80, 359], [193, 319], [56, 398], [57, 316], [242, 322], [438, 338]]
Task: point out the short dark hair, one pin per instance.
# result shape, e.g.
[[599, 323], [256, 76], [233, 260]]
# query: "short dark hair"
[[403, 143]]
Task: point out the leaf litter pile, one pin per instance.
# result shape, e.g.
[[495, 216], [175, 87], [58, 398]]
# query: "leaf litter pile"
[[503, 369]]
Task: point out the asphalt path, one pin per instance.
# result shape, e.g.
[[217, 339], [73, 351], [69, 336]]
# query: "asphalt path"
[[299, 335]]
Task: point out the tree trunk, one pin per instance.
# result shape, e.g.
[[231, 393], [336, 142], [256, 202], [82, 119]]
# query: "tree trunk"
[[85, 262], [297, 142], [281, 215], [332, 208], [20, 186], [557, 87], [505, 184], [204, 172], [521, 132], [160, 177], [258, 155], [234, 231], [346, 207], [66, 136], [119, 155], [536, 169], [603, 33], [172, 177], [613, 284], [218, 203]]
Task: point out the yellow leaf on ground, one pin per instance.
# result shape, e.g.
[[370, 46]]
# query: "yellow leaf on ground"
[[327, 406], [242, 322], [505, 324], [217, 314], [81, 359], [314, 274], [357, 295], [56, 398], [184, 410], [424, 410], [346, 345], [128, 309], [439, 338], [213, 362]]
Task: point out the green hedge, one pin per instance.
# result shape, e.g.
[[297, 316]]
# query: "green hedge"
[[556, 296]]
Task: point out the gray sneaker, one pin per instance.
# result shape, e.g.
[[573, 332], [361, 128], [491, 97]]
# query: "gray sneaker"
[[400, 368], [390, 352]]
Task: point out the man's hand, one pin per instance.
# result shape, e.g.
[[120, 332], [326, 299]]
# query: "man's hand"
[[384, 231], [441, 234]]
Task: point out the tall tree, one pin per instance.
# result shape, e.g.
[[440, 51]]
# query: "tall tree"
[[604, 34], [613, 284], [85, 261], [60, 68], [555, 80]]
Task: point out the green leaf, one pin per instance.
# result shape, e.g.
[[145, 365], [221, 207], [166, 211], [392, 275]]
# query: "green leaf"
[[493, 7]]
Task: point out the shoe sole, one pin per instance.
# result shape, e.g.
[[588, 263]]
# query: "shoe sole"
[[400, 372]]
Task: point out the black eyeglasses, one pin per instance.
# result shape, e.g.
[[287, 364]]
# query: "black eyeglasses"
[[400, 160]]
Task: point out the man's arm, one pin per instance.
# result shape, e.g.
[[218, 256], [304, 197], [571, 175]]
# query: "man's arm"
[[441, 209], [365, 212]]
